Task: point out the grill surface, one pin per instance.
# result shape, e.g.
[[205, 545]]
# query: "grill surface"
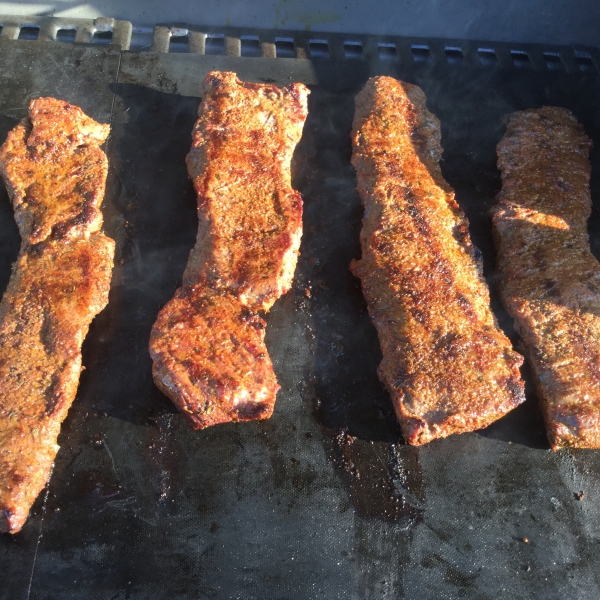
[[323, 500]]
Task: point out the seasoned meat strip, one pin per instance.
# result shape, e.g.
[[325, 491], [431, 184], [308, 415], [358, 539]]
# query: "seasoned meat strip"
[[207, 344], [550, 279], [55, 173], [250, 218], [446, 364]]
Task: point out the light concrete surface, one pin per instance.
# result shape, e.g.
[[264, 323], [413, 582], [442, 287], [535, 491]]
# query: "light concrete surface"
[[534, 21]]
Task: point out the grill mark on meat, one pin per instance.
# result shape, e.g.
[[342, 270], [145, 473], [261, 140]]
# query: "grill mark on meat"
[[207, 344], [53, 395], [438, 269], [446, 364], [55, 173], [549, 276]]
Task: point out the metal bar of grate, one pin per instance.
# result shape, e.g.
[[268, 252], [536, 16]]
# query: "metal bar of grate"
[[63, 29], [251, 42]]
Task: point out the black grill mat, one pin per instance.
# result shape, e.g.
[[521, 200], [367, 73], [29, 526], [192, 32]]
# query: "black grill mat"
[[323, 500]]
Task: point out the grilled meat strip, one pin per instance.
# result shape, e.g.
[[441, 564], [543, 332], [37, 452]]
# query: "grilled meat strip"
[[446, 364], [207, 344], [55, 173], [550, 279]]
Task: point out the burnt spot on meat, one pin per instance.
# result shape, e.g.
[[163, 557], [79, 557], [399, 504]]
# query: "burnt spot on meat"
[[54, 395], [213, 82], [295, 92], [550, 287], [16, 479], [420, 223], [251, 411], [563, 185], [447, 343], [48, 336], [515, 390]]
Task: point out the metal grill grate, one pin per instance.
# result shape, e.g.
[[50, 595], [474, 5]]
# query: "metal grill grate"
[[238, 42], [333, 46], [48, 29]]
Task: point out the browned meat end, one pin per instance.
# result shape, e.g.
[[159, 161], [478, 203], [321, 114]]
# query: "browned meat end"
[[210, 358], [447, 365], [55, 173], [550, 279]]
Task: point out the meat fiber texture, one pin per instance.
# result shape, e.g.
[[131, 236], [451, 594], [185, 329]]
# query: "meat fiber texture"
[[446, 364], [55, 173], [207, 344], [550, 279]]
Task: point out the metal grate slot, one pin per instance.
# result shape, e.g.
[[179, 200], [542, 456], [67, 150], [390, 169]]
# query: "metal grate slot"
[[284, 48], [66, 35], [387, 51], [0, 28], [553, 61], [487, 57], [520, 59], [454, 55], [420, 53], [102, 37], [584, 60], [215, 44], [250, 45], [319, 49], [141, 39], [180, 42], [353, 49], [29, 32]]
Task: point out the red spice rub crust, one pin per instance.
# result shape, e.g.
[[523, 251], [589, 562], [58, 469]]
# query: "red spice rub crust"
[[448, 367], [550, 279], [55, 173], [207, 344]]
